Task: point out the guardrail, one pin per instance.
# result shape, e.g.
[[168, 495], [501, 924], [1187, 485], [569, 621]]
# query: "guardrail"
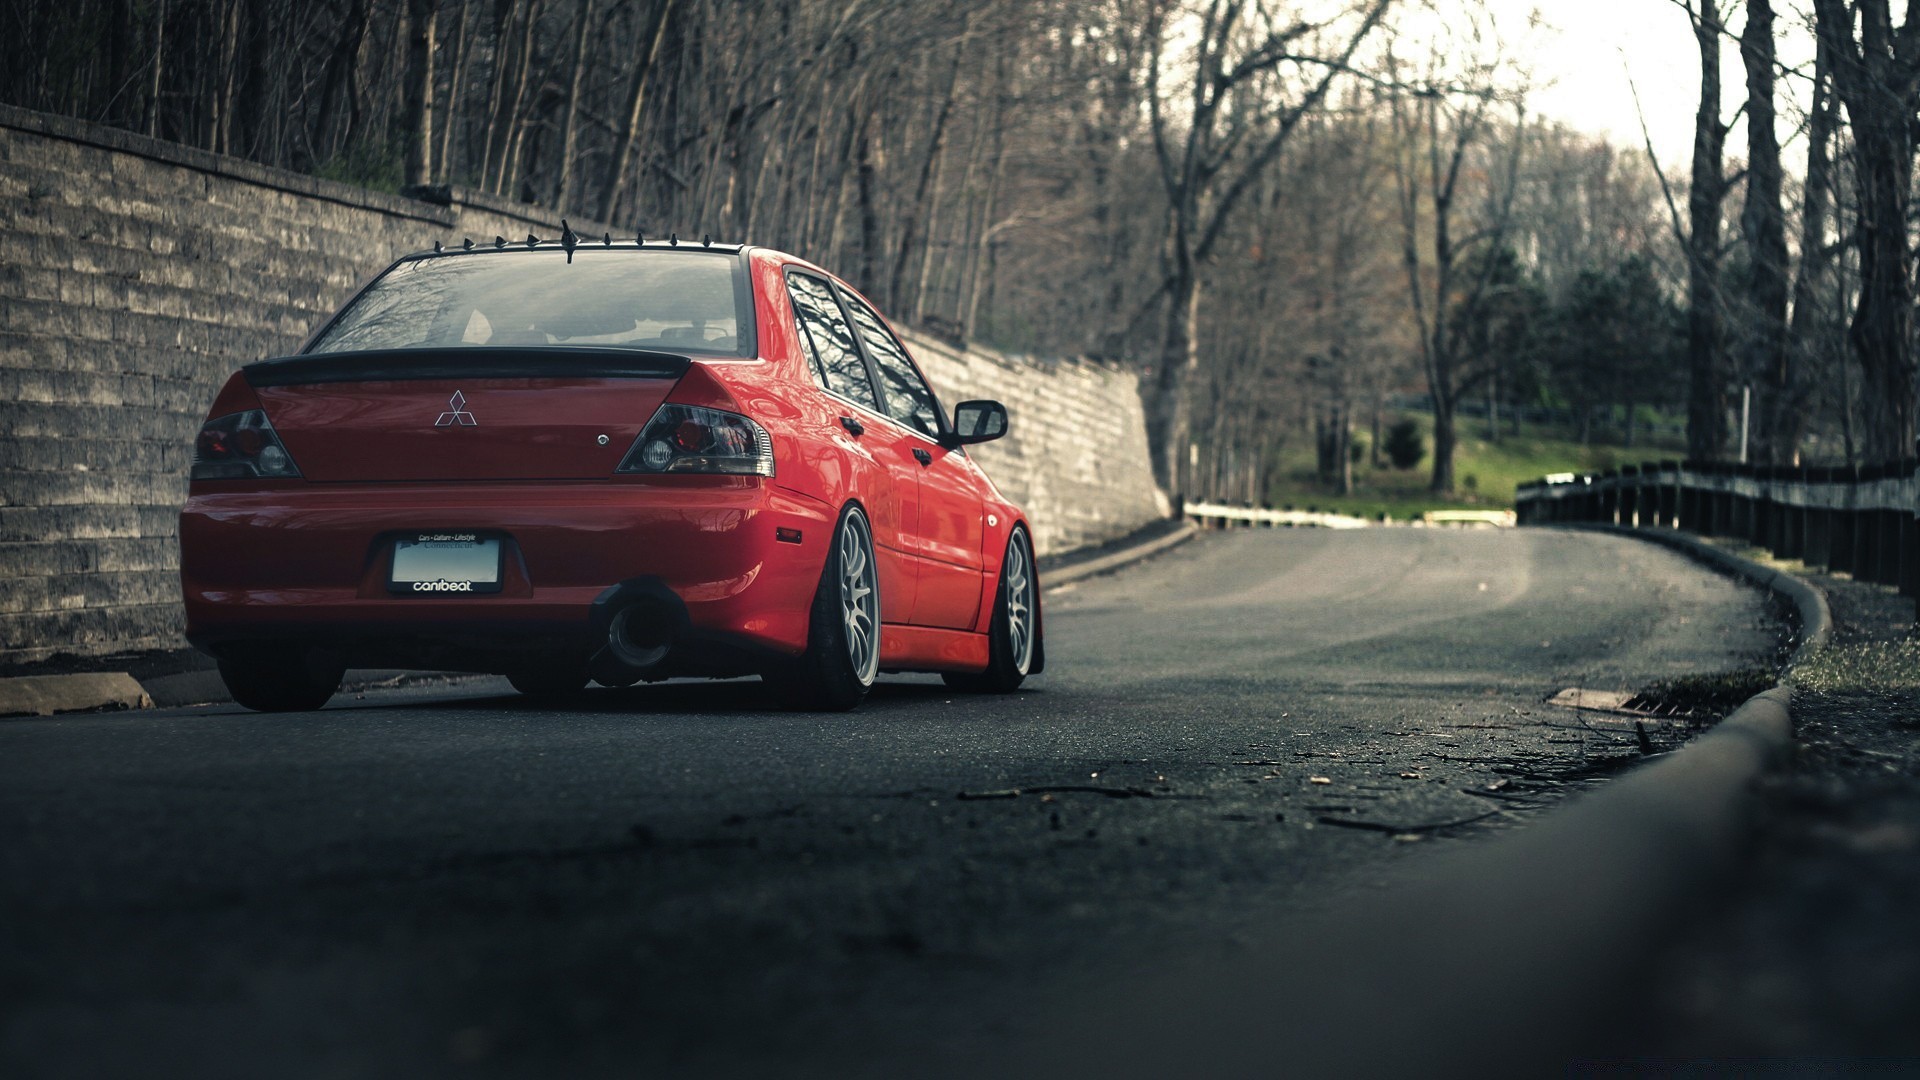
[[1221, 516], [1500, 518], [1860, 521]]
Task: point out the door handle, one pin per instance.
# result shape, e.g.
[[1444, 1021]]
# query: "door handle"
[[853, 425], [922, 456]]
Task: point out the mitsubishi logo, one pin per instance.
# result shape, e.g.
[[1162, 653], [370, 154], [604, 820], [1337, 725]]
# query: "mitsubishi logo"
[[456, 413]]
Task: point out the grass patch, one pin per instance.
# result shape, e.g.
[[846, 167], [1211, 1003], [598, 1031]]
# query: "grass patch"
[[1877, 667], [1485, 473]]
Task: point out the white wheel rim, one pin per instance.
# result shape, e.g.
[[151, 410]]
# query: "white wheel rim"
[[859, 598], [1020, 605]]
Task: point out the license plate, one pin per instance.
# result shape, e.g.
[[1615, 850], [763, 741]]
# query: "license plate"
[[445, 564]]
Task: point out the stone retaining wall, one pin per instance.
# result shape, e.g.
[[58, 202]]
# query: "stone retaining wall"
[[135, 275]]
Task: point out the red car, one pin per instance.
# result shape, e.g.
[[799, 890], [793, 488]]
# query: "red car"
[[612, 460]]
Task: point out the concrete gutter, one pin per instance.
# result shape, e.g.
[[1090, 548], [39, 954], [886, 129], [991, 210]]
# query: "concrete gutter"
[[1516, 957], [1131, 550]]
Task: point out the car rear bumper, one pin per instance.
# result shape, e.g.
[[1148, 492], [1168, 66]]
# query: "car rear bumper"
[[299, 562]]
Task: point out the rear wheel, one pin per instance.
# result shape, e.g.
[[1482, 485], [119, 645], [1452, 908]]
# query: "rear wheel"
[[1013, 641], [280, 681], [843, 638]]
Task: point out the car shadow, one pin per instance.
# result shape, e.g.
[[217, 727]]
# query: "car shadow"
[[747, 695]]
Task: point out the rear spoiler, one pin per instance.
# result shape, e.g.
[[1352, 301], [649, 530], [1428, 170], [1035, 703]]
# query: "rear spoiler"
[[466, 362]]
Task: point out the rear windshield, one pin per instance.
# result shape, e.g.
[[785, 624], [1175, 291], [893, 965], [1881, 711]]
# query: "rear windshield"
[[673, 301]]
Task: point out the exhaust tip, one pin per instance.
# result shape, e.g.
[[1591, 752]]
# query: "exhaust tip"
[[641, 634]]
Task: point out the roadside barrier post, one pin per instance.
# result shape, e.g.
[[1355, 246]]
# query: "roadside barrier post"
[[1819, 539], [1779, 510], [1886, 533], [1840, 542], [1896, 508], [1706, 496], [1909, 544], [1723, 502], [1793, 532]]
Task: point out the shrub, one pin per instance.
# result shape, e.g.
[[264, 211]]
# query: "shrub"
[[1404, 446]]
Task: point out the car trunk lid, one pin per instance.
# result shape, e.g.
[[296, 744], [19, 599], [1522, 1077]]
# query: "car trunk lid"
[[462, 414]]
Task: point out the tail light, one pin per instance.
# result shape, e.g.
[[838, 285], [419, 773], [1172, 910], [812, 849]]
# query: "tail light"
[[689, 439], [238, 445]]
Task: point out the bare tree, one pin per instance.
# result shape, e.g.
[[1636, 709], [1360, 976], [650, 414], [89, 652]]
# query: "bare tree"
[[422, 16], [1238, 116], [1707, 401], [1449, 245], [1763, 225], [1876, 73]]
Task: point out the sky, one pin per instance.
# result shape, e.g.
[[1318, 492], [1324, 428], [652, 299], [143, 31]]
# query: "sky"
[[1584, 50]]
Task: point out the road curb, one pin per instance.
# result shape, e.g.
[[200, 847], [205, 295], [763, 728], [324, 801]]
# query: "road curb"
[[1114, 560], [46, 695]]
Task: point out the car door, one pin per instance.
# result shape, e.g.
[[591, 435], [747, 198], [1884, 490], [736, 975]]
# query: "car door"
[[893, 501], [950, 532]]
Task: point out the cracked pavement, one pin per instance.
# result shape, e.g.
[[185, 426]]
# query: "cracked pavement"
[[681, 879]]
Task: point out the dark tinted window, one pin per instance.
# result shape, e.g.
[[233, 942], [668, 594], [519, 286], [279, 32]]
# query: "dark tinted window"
[[828, 340], [908, 398], [683, 302]]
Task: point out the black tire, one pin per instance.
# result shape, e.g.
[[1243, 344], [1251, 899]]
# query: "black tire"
[[281, 681], [1010, 657], [556, 678], [836, 670]]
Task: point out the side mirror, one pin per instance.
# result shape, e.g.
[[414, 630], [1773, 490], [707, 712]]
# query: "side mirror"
[[978, 422]]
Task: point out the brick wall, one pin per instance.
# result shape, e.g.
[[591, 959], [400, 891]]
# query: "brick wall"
[[136, 275]]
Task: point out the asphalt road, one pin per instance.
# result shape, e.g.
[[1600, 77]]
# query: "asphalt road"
[[680, 879]]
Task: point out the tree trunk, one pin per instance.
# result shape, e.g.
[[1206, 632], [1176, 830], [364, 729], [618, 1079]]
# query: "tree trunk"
[[505, 14], [159, 67], [867, 183], [456, 73], [1444, 443], [1883, 322], [1877, 79], [422, 17], [1707, 400], [919, 209], [516, 119], [569, 131], [1169, 417], [1373, 445], [621, 160], [1343, 451], [1763, 223], [1804, 331], [1493, 407]]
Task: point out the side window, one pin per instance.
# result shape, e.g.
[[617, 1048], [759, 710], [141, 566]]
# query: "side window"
[[908, 399], [828, 340]]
